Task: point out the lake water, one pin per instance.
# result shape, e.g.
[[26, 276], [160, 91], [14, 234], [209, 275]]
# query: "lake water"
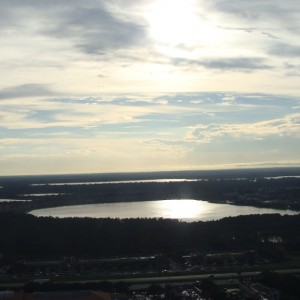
[[184, 209], [13, 200], [117, 182]]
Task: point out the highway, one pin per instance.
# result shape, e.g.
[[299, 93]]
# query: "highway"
[[191, 278], [144, 281]]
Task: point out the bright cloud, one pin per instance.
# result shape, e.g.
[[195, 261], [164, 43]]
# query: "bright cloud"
[[287, 126]]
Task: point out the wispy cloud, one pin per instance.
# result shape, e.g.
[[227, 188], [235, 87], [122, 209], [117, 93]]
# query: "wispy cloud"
[[287, 126], [285, 50], [26, 90], [245, 64]]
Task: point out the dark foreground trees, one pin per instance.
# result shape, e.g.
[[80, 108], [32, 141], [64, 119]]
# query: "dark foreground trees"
[[26, 236]]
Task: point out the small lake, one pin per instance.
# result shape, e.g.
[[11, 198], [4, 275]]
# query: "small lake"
[[184, 209]]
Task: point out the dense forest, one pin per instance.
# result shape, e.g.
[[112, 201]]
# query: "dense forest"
[[247, 187], [26, 236]]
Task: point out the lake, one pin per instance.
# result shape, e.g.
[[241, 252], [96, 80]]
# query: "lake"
[[187, 210]]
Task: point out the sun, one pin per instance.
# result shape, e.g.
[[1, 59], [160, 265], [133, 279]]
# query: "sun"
[[172, 21]]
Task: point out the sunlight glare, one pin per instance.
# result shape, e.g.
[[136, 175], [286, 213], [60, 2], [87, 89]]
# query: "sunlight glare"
[[181, 209], [178, 27], [172, 21]]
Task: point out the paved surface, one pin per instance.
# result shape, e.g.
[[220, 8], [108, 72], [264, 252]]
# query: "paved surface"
[[145, 281]]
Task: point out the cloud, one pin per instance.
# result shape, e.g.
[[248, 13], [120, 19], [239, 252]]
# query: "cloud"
[[96, 29], [287, 126], [26, 90], [285, 50], [258, 164], [245, 29], [263, 31], [92, 27], [273, 19], [245, 64], [87, 112], [292, 69], [270, 35], [167, 113], [258, 9], [166, 148]]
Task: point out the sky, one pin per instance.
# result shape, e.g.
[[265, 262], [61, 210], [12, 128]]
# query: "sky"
[[101, 86]]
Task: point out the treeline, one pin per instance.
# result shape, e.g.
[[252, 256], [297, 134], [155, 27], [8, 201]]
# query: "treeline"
[[277, 193], [26, 236]]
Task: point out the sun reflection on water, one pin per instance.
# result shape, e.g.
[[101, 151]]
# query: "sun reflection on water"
[[181, 209]]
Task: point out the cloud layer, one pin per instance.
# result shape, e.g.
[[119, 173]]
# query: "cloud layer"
[[95, 86]]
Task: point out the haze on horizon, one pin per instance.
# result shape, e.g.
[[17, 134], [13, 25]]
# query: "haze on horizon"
[[97, 86]]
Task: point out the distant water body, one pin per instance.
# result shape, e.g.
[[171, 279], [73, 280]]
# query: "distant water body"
[[164, 180], [116, 182], [13, 200], [187, 210]]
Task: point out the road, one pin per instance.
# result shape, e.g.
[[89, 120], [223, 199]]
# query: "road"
[[217, 276], [143, 281]]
